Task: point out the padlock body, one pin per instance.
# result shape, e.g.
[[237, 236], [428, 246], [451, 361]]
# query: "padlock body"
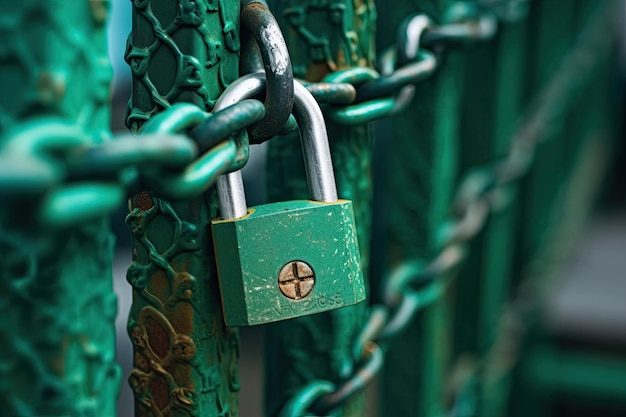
[[251, 252]]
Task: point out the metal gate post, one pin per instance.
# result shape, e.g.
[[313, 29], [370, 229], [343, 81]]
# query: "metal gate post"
[[322, 39], [553, 27], [57, 307], [185, 358], [492, 104], [578, 136], [422, 180]]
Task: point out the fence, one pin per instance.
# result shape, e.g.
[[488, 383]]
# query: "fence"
[[494, 127]]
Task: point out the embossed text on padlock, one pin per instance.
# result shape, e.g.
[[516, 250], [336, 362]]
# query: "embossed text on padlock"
[[293, 258]]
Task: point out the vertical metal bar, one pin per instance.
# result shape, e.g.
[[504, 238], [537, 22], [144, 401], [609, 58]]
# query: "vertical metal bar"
[[591, 120], [493, 102], [422, 179], [322, 38], [551, 36], [185, 358], [583, 137], [57, 333]]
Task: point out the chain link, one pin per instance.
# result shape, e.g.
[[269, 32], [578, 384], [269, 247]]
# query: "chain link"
[[257, 18], [50, 163], [416, 57]]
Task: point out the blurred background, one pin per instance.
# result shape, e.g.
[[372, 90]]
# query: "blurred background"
[[575, 355]]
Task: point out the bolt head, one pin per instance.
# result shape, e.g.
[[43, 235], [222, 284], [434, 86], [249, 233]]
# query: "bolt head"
[[296, 280]]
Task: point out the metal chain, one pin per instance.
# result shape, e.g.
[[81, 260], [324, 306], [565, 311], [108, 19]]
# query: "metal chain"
[[420, 49], [73, 181], [49, 162], [53, 164], [415, 283]]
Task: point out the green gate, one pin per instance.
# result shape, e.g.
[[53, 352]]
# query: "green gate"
[[468, 142]]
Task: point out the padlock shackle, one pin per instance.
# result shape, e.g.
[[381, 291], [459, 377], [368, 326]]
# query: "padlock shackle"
[[315, 147], [313, 136], [230, 192]]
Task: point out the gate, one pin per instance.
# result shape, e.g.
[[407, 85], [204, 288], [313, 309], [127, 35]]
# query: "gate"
[[467, 140]]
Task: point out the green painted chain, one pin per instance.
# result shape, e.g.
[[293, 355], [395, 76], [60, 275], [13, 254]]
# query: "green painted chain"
[[416, 283], [51, 163], [390, 90], [49, 160]]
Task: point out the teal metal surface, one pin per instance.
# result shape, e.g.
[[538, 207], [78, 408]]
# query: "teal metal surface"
[[584, 131], [185, 359], [322, 39], [551, 32], [252, 251], [422, 178], [56, 299], [492, 104]]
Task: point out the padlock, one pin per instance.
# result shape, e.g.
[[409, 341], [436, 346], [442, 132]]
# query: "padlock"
[[288, 259]]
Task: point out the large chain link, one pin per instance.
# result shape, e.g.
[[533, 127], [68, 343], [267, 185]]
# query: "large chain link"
[[420, 49], [53, 164], [416, 283]]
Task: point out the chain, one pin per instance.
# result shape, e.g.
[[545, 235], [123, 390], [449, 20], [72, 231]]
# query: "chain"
[[48, 163], [420, 49], [415, 283], [53, 164], [184, 148]]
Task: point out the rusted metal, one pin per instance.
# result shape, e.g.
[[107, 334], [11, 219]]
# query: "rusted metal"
[[296, 280], [185, 358]]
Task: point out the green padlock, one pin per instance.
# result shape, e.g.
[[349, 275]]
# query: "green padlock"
[[289, 259]]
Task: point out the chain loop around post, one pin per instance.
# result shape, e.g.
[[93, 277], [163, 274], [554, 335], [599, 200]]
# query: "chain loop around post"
[[52, 164], [226, 156], [279, 96]]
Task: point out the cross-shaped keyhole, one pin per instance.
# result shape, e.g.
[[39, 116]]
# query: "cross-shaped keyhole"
[[296, 280]]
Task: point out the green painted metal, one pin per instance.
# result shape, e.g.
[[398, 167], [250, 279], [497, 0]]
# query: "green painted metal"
[[322, 38], [59, 361], [550, 371], [423, 170], [56, 298], [581, 373], [253, 250], [185, 359], [492, 105], [551, 34]]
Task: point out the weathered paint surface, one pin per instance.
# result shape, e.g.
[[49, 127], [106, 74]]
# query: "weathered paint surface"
[[252, 250], [185, 358], [322, 38]]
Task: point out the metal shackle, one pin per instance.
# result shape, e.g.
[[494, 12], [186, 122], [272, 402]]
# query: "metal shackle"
[[313, 136]]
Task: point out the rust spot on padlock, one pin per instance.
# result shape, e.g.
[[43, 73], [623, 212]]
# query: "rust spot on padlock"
[[143, 201], [296, 280]]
